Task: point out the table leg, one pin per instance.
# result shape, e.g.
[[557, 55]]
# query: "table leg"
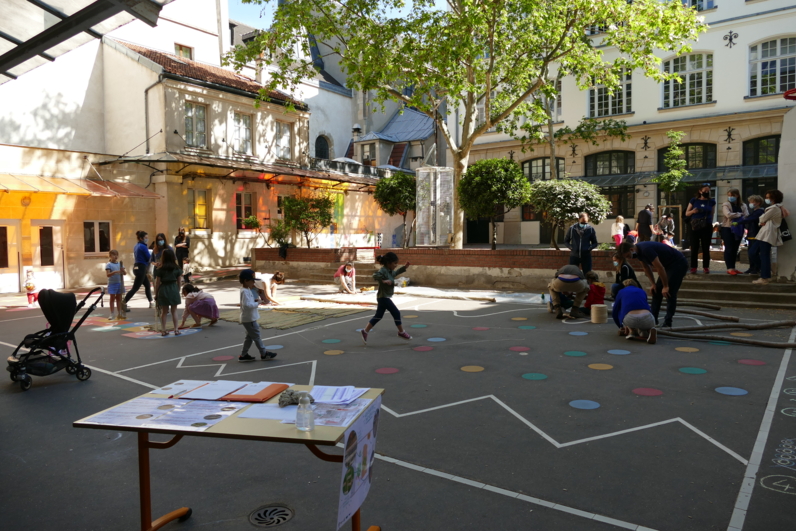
[[144, 444], [355, 521]]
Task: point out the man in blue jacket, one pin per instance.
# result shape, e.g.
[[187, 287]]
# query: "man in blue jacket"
[[581, 238]]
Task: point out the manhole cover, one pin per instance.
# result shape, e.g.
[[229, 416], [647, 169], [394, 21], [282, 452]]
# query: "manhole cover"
[[270, 515]]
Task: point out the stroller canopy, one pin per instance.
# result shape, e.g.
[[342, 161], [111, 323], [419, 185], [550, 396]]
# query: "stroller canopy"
[[58, 308]]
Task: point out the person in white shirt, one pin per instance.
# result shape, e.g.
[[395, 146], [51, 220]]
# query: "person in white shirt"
[[249, 301], [618, 230]]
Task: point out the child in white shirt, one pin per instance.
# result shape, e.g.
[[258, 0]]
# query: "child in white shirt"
[[249, 301]]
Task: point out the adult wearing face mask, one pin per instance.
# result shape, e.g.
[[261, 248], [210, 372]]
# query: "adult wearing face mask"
[[142, 257], [624, 271], [346, 278], [733, 209], [769, 235], [700, 210], [581, 238], [182, 246], [158, 246], [752, 225]]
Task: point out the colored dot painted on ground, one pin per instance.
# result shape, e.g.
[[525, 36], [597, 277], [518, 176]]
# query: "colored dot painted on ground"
[[574, 353], [601, 366], [584, 404], [472, 368], [720, 343], [740, 334], [534, 376], [223, 358], [618, 352], [692, 370], [731, 391], [106, 329], [527, 327], [647, 391], [330, 341], [480, 328], [523, 353], [519, 318], [419, 326], [436, 339], [751, 362], [274, 347], [579, 333], [423, 349], [387, 370], [520, 349], [686, 349], [410, 317], [333, 352]]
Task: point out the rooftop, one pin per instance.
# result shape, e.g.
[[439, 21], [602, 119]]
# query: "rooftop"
[[407, 125]]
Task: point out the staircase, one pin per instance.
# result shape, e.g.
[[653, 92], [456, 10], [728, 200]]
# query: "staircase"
[[365, 267], [738, 291]]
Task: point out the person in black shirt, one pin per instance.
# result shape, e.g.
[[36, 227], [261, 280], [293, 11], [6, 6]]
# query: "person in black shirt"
[[700, 211], [644, 224]]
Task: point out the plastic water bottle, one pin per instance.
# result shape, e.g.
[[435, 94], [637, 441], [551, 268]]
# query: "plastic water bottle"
[[305, 416]]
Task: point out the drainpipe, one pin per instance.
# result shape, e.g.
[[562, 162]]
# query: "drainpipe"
[[146, 109]]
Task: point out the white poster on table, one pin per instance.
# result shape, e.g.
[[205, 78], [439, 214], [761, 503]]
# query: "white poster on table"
[[360, 452]]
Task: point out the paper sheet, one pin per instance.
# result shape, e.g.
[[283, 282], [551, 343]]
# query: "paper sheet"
[[336, 395], [214, 390], [179, 387], [270, 412], [135, 413], [197, 415]]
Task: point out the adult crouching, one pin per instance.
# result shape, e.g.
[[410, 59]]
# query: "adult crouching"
[[569, 279]]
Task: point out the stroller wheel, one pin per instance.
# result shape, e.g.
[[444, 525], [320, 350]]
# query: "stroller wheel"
[[25, 382], [83, 374], [71, 369]]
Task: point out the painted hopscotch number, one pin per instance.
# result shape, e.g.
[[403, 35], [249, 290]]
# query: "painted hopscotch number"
[[789, 411], [783, 484], [784, 455], [791, 378], [789, 391]]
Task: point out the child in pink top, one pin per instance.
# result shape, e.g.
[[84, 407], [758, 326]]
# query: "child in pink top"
[[345, 277]]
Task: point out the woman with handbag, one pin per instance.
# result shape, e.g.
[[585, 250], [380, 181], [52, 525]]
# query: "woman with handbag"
[[700, 210], [769, 235], [733, 209]]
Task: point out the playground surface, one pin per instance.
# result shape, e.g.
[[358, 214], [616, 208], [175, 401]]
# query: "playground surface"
[[495, 416]]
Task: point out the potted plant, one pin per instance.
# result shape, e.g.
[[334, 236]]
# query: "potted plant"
[[251, 223]]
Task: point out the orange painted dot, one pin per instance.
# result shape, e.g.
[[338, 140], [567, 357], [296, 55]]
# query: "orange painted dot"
[[410, 317], [472, 368], [601, 366], [333, 352], [519, 318], [740, 334], [686, 349]]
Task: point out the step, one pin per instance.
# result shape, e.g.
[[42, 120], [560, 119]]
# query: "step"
[[710, 287], [740, 296], [736, 304]]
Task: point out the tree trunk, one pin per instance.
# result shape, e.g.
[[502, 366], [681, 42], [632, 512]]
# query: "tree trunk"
[[494, 234], [459, 167], [406, 241], [408, 237], [553, 239]]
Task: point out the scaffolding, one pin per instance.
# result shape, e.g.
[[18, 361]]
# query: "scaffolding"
[[434, 206]]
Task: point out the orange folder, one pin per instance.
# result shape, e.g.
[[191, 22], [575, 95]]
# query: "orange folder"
[[266, 394]]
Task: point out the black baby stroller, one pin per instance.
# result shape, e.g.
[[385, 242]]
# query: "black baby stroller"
[[48, 350]]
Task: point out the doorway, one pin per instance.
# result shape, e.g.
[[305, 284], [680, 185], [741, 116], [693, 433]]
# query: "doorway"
[[10, 272], [478, 231], [46, 240]]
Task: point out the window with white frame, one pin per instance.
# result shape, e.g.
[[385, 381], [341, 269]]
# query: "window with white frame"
[[368, 152], [696, 73], [96, 237], [181, 50], [539, 169], [243, 133], [197, 203], [284, 140], [700, 5], [603, 103], [772, 66], [243, 207], [195, 125]]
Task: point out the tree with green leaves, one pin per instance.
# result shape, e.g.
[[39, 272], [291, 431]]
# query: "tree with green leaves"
[[308, 214], [674, 160], [560, 201], [396, 196], [485, 59], [490, 188]]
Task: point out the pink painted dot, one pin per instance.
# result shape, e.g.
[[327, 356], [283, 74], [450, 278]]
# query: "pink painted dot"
[[387, 370], [223, 358], [423, 349], [647, 391], [520, 349], [751, 362], [480, 328]]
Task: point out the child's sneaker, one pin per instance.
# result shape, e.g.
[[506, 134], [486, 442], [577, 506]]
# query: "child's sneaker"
[[245, 357], [364, 337], [111, 317], [268, 355], [404, 335], [653, 337]]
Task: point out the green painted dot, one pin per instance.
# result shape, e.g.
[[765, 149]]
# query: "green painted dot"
[[330, 341], [419, 326], [527, 327], [720, 343], [692, 370], [534, 376], [574, 353]]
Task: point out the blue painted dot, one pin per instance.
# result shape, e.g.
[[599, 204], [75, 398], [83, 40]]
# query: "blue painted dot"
[[579, 333], [330, 341], [574, 353], [419, 326], [619, 352], [273, 347], [534, 376], [437, 339], [584, 404], [732, 391], [527, 327], [720, 343]]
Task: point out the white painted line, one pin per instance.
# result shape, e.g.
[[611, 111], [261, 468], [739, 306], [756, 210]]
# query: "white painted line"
[[437, 473], [123, 377], [435, 408], [469, 482], [21, 319], [488, 314], [528, 423], [579, 441], [614, 522], [750, 477], [504, 492], [536, 501], [312, 374], [576, 512], [714, 441]]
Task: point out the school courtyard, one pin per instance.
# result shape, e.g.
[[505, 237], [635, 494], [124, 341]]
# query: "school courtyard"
[[496, 416]]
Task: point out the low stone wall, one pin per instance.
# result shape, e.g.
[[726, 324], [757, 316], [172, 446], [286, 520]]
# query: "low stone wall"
[[298, 254]]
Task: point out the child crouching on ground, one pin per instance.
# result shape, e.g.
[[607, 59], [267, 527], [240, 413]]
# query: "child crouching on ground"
[[114, 272], [249, 301], [596, 290], [198, 304], [386, 279]]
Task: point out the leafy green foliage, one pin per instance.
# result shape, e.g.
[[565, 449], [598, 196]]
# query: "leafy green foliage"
[[560, 201], [492, 187], [674, 159], [251, 222], [309, 214], [279, 232], [396, 196]]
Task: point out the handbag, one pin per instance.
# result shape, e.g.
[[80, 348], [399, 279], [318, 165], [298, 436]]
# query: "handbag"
[[784, 231], [698, 223]]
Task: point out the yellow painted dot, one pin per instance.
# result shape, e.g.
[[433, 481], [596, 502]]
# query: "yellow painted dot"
[[472, 368], [333, 352], [740, 334], [686, 349], [519, 318], [410, 317], [601, 366]]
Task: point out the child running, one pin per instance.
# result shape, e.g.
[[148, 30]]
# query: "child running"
[[249, 301], [386, 279], [114, 271], [198, 304]]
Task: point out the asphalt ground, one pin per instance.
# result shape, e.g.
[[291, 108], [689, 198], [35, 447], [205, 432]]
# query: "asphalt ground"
[[459, 450]]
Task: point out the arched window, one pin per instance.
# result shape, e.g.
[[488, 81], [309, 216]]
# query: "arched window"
[[697, 156], [611, 163], [539, 169], [761, 151], [321, 148], [696, 72], [772, 66]]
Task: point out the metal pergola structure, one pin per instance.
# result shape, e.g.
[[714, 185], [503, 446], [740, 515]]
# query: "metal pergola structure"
[[33, 32]]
